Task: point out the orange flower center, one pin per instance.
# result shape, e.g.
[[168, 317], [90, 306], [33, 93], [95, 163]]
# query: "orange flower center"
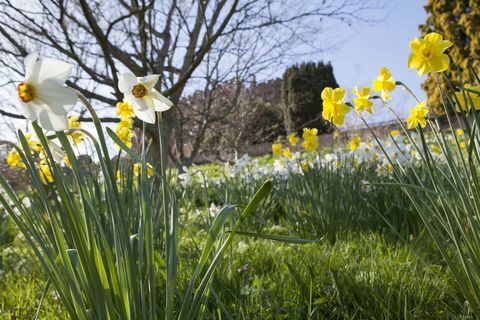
[[139, 90], [26, 92]]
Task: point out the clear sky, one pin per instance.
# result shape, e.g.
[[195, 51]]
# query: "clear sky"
[[370, 47]]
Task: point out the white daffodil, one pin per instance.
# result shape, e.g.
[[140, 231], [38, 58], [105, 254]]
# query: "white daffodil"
[[142, 96], [43, 96]]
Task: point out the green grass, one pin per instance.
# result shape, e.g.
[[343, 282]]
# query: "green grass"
[[361, 276]]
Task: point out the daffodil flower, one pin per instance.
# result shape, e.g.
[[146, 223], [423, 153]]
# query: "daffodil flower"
[[334, 109], [43, 96], [277, 149], [418, 116], [428, 54], [362, 101], [354, 143], [142, 96], [384, 83]]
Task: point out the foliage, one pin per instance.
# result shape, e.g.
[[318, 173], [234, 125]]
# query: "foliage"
[[301, 101]]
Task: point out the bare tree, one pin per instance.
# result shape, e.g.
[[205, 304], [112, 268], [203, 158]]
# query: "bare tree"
[[194, 42]]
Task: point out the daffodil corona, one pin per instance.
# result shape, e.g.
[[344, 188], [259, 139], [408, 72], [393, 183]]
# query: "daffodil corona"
[[428, 54], [142, 96]]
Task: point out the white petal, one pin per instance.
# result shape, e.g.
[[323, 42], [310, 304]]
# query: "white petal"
[[126, 82], [30, 64], [51, 121], [50, 69], [55, 96], [144, 109], [161, 102], [57, 152], [149, 80], [28, 110]]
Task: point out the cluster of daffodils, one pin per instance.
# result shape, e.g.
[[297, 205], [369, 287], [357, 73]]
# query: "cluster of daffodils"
[[43, 98], [428, 55], [309, 143]]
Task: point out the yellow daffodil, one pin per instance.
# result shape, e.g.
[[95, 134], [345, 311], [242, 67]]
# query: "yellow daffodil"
[[395, 133], [463, 145], [309, 132], [46, 174], [390, 167], [384, 83], [124, 132], [66, 161], [277, 149], [304, 166], [354, 143], [310, 143], [467, 99], [137, 167], [73, 123], [436, 149], [338, 163], [334, 109], [287, 153], [362, 101], [14, 159], [42, 96], [293, 139], [459, 132], [418, 116], [125, 110], [428, 54]]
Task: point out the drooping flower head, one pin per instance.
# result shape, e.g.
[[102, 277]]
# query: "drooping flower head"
[[354, 143], [125, 132], [14, 160], [310, 143], [73, 123], [138, 166], [46, 174], [428, 54], [287, 153], [309, 133], [334, 109], [467, 99], [384, 83], [43, 96], [362, 101], [125, 110], [418, 116], [142, 96], [277, 149], [293, 139]]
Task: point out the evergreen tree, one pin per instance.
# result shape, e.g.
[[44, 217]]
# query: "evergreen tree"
[[459, 22], [301, 101]]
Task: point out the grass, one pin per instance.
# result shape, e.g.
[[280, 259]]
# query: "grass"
[[361, 276]]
